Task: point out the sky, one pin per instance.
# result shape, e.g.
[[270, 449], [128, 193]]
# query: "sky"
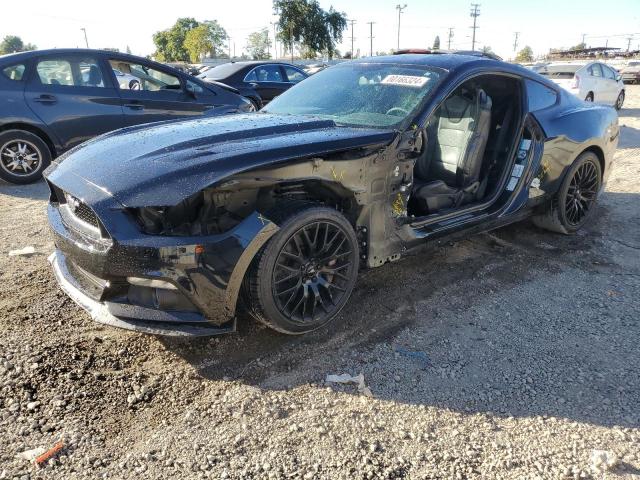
[[541, 24]]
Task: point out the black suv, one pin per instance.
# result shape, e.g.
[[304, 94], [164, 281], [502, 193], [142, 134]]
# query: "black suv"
[[52, 100]]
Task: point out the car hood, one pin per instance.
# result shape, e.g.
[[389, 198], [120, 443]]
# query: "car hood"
[[163, 163]]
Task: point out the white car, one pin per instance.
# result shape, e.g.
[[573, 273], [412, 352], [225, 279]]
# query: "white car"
[[592, 81]]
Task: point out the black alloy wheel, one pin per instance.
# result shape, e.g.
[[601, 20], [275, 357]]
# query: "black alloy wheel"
[[582, 192], [589, 97], [574, 203], [305, 274]]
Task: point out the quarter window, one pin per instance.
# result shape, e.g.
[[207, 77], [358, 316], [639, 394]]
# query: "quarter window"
[[540, 96], [14, 72], [294, 75], [84, 72]]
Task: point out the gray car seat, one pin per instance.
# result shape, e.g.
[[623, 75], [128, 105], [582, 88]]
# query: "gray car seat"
[[447, 174]]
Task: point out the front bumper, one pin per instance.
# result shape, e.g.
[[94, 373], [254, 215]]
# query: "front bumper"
[[204, 275]]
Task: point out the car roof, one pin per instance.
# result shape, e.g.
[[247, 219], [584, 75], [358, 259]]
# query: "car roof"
[[67, 51], [447, 61]]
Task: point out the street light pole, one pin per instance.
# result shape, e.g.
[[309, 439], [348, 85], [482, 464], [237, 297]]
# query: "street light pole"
[[85, 36], [371, 38], [400, 9]]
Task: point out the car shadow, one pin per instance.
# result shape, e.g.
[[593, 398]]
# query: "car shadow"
[[407, 327], [33, 191], [629, 137], [629, 113]]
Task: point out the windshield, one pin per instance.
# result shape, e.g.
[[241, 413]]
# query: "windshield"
[[360, 94], [560, 71]]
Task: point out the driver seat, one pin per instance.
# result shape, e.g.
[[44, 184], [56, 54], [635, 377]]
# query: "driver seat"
[[447, 174]]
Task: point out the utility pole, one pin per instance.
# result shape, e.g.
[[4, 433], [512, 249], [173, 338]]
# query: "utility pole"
[[515, 41], [291, 35], [275, 43], [584, 36], [352, 38], [85, 36], [629, 43], [475, 13], [371, 38], [400, 9], [450, 37]]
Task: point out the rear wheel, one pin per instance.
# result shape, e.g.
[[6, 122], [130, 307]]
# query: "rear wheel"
[[620, 100], [589, 97], [304, 275], [23, 156], [574, 203]]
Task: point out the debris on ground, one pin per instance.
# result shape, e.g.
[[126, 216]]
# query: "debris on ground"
[[357, 380], [52, 452], [603, 461], [31, 455], [22, 252], [421, 357]]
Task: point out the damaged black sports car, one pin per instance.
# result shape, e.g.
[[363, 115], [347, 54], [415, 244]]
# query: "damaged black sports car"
[[165, 228]]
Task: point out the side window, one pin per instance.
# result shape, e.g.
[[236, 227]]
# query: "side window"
[[81, 72], [268, 73], [294, 75], [55, 72], [14, 72], [608, 73], [252, 76], [595, 70], [134, 76], [539, 96]]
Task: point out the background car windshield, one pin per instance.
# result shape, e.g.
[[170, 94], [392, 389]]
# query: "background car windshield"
[[221, 71], [369, 95]]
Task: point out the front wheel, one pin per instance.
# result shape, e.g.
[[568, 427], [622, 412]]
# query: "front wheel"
[[23, 156], [574, 203], [620, 101], [304, 275], [589, 97]]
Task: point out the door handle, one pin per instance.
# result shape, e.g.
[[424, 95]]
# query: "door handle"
[[47, 99], [134, 106]]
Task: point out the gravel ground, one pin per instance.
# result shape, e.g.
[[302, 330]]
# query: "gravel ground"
[[512, 354]]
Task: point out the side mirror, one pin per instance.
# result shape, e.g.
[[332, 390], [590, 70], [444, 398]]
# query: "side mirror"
[[191, 90], [618, 77]]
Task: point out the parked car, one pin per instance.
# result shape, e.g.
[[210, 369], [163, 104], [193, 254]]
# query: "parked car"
[[631, 72], [592, 81], [314, 68], [353, 168], [53, 100], [259, 81]]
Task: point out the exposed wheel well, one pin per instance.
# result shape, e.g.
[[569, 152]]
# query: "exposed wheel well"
[[35, 130]]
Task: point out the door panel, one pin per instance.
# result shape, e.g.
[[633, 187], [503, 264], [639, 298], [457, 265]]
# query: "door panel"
[[151, 95], [74, 97]]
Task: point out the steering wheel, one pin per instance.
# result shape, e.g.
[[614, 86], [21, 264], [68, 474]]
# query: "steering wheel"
[[397, 109]]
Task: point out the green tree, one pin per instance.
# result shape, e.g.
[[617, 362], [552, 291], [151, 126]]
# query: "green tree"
[[580, 46], [258, 44], [217, 36], [305, 23], [525, 55], [436, 43], [128, 50], [198, 43], [13, 43], [486, 49], [170, 43]]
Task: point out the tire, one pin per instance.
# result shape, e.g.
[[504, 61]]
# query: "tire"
[[255, 103], [620, 101], [574, 203], [304, 275], [23, 156], [134, 85], [589, 97]]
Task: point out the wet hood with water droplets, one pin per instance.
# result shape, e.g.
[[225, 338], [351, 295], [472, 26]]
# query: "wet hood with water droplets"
[[163, 163]]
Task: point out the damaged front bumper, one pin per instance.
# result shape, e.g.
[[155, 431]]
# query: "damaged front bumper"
[[177, 286]]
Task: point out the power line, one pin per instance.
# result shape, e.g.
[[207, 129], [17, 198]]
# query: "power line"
[[475, 13], [400, 9], [371, 38], [352, 38], [450, 37]]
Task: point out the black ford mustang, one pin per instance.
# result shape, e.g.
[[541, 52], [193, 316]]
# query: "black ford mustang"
[[163, 228]]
